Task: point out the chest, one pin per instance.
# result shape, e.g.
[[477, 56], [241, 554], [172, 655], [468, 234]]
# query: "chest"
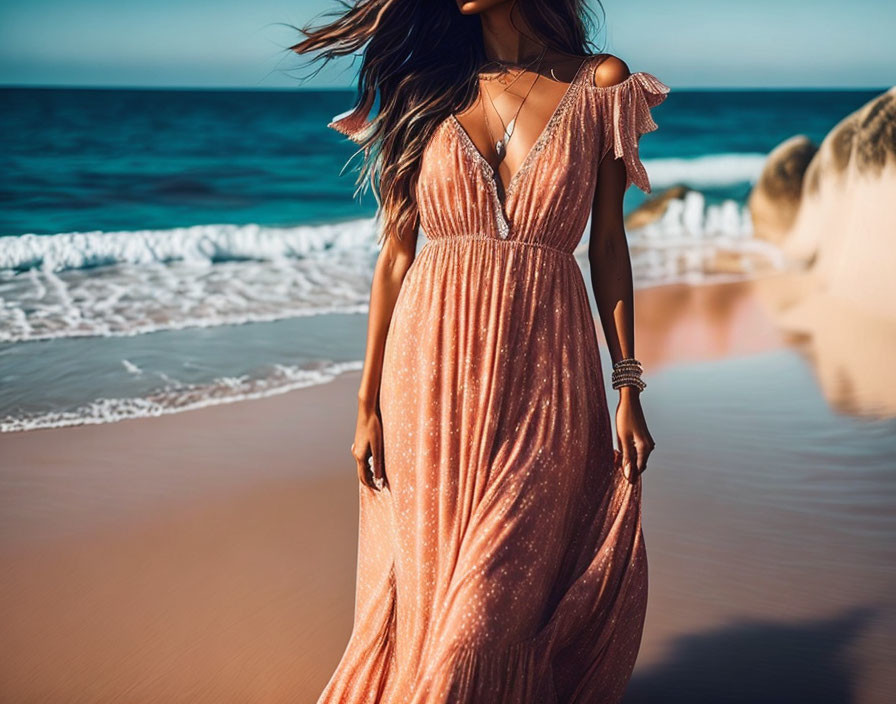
[[457, 181]]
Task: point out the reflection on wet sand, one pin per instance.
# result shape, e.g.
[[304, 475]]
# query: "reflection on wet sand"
[[689, 323], [851, 350]]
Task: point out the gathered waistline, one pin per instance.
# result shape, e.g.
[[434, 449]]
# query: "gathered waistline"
[[448, 239]]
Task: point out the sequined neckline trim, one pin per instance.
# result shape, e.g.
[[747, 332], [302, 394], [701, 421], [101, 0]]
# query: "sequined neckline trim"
[[540, 142], [491, 174]]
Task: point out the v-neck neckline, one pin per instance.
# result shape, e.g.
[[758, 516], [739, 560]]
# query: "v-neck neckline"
[[491, 173]]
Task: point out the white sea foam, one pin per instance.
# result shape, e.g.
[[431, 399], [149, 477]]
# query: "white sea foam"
[[198, 245], [127, 283], [710, 171], [695, 242], [131, 367], [183, 397]]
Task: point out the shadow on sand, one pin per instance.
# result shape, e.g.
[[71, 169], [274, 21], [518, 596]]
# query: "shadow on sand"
[[753, 662]]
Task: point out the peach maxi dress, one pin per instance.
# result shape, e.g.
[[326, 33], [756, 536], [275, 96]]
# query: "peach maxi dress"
[[505, 562]]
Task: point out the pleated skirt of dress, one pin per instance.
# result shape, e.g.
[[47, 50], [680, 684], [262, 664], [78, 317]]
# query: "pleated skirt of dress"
[[506, 561]]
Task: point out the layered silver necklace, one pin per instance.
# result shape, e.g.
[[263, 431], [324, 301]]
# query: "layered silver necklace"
[[501, 144]]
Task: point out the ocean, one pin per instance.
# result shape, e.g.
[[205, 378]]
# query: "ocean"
[[167, 250]]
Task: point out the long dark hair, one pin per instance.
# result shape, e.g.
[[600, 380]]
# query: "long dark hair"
[[421, 59]]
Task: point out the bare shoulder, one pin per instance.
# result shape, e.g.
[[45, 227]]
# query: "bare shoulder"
[[609, 70]]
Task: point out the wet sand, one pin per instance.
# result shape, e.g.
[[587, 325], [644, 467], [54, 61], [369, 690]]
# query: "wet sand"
[[209, 556]]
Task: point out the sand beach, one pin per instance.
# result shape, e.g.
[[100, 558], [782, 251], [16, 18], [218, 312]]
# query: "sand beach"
[[209, 556]]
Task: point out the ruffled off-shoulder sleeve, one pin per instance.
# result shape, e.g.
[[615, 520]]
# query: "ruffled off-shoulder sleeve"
[[624, 115], [354, 123]]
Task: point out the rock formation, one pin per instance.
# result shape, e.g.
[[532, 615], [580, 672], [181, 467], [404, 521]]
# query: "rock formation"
[[654, 208], [844, 223], [775, 200]]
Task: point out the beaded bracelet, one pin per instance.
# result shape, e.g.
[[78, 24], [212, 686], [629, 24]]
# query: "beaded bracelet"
[[627, 364], [627, 372]]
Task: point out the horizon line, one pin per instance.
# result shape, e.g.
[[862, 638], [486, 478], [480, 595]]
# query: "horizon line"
[[284, 89]]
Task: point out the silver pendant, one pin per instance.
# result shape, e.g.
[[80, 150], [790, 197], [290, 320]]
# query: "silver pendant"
[[501, 144]]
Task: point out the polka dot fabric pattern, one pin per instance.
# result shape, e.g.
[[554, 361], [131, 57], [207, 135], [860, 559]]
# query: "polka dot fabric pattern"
[[505, 562]]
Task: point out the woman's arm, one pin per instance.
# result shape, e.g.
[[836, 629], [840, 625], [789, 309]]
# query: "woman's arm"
[[393, 262], [611, 279]]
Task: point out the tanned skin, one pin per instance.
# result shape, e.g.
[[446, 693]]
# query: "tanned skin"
[[611, 279]]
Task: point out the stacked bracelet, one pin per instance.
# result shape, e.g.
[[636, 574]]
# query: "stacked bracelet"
[[627, 372]]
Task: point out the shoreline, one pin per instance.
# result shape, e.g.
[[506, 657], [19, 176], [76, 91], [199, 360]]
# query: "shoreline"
[[675, 323], [334, 370]]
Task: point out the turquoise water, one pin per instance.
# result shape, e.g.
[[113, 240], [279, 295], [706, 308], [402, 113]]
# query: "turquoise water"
[[163, 250], [109, 160]]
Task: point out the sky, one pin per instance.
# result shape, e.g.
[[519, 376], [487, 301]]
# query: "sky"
[[240, 43]]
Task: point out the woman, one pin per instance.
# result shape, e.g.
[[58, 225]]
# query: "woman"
[[500, 549]]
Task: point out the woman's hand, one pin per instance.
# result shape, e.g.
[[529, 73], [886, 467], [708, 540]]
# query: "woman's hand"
[[635, 442], [367, 449]]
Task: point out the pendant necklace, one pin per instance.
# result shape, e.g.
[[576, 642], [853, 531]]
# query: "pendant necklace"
[[501, 144]]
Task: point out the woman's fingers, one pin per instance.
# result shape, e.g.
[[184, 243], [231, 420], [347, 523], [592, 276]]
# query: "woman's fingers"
[[370, 468], [367, 449], [643, 452], [635, 452], [362, 458], [629, 457], [645, 447], [379, 469], [362, 471]]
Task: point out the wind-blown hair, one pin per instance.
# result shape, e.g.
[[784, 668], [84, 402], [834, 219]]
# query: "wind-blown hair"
[[421, 61]]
